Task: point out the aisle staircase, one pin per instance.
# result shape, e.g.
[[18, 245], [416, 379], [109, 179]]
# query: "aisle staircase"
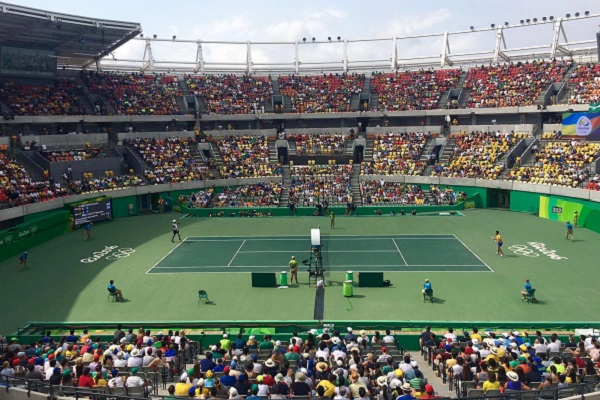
[[355, 185]]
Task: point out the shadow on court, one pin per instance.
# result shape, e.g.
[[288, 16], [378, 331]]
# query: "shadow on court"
[[437, 300]]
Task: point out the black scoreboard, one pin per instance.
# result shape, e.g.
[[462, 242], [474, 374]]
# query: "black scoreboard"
[[92, 211]]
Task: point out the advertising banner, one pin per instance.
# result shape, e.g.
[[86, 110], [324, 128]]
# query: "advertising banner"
[[582, 125]]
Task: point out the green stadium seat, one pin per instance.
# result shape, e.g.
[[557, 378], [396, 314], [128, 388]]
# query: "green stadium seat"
[[202, 295]]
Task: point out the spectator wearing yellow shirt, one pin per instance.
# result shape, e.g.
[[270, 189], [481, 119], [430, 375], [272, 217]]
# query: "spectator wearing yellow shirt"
[[491, 383]]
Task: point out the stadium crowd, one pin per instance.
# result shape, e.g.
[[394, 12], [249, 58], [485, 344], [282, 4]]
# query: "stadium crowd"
[[246, 157], [490, 363], [136, 93], [475, 155], [559, 163], [98, 184], [232, 94], [62, 97], [586, 84], [321, 93], [382, 192], [512, 85], [74, 155], [412, 90], [319, 143], [396, 154], [260, 194], [200, 199], [171, 159], [17, 188], [320, 184]]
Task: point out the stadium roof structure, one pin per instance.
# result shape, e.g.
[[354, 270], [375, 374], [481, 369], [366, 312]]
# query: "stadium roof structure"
[[546, 38], [78, 41]]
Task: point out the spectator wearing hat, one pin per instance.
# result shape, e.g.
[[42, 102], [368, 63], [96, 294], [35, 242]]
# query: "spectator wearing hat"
[[280, 385], [300, 387], [182, 388], [225, 342], [514, 383], [254, 393], [233, 394], [429, 393], [242, 385], [384, 356], [407, 392], [56, 377], [133, 380], [115, 379], [135, 360]]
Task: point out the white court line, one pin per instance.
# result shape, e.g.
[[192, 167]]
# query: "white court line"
[[328, 251], [402, 272], [166, 255], [399, 252], [335, 266], [341, 237], [467, 247], [236, 253]]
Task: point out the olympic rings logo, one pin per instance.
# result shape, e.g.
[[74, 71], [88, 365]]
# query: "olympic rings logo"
[[121, 253], [523, 250]]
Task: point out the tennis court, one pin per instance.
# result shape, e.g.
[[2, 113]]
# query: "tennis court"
[[387, 253]]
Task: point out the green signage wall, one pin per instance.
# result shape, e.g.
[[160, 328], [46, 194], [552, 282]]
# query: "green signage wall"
[[30, 234]]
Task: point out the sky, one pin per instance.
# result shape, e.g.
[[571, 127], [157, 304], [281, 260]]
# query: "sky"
[[284, 20]]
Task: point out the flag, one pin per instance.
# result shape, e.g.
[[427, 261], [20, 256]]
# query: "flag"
[[594, 108]]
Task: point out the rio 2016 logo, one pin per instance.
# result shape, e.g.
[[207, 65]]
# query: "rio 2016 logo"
[[534, 249], [583, 126], [110, 253]]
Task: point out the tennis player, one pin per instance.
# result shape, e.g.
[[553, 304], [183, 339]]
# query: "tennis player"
[[332, 219], [23, 261], [175, 231], [498, 239]]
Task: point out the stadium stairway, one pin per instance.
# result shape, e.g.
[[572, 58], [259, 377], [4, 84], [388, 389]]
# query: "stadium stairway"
[[366, 85], [183, 86], [447, 153], [369, 149], [355, 185], [275, 86], [272, 151], [442, 103], [373, 101], [285, 190], [183, 109], [201, 106], [354, 102], [287, 104]]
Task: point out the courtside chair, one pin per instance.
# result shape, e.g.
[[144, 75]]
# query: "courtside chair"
[[202, 295], [111, 295], [428, 295], [530, 297]]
